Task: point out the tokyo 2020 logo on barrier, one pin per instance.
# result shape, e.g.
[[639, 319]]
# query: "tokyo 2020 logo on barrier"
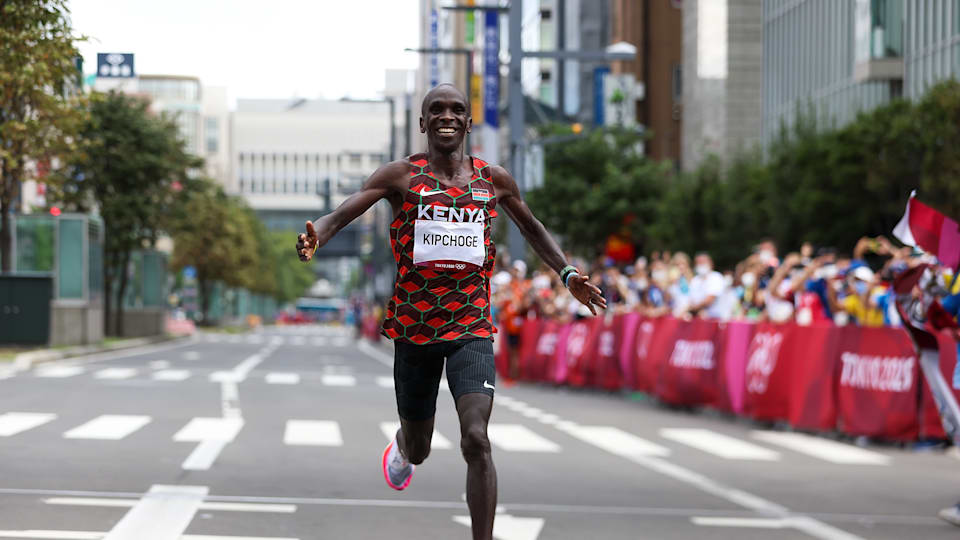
[[762, 361]]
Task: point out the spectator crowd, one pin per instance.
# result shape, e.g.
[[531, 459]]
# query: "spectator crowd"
[[808, 286]]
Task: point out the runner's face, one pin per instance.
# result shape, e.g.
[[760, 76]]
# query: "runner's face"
[[445, 119]]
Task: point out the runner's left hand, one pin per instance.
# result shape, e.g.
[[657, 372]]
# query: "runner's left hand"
[[588, 294]]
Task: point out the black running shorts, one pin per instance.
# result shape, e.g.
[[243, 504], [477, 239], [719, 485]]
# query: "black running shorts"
[[417, 370]]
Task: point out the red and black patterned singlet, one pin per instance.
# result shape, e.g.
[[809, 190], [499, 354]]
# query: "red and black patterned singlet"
[[445, 300]]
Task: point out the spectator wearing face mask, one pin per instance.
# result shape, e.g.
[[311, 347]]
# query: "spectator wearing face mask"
[[679, 276], [858, 303], [706, 290]]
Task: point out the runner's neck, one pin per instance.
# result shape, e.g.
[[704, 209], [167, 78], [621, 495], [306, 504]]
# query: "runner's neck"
[[452, 169]]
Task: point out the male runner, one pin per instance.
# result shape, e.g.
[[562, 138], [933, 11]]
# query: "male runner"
[[443, 203]]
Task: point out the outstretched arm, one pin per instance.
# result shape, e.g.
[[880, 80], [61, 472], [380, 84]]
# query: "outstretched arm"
[[508, 195], [385, 182]]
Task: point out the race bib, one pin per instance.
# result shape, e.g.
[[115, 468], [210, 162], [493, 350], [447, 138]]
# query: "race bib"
[[447, 245]]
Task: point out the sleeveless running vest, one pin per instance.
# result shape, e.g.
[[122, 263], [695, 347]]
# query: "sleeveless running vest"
[[441, 242]]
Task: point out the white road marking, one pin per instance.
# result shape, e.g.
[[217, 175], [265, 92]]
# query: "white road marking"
[[617, 442], [234, 338], [753, 523], [438, 442], [215, 506], [341, 342], [298, 340], [319, 342], [517, 438], [283, 378], [115, 373], [804, 524], [52, 535], [159, 364], [339, 380], [824, 449], [12, 423], [215, 537], [209, 429], [214, 338], [507, 527], [163, 513], [108, 427], [59, 372], [719, 444], [312, 433], [549, 419], [171, 375], [191, 355], [203, 456], [385, 382], [375, 353], [807, 524], [254, 339]]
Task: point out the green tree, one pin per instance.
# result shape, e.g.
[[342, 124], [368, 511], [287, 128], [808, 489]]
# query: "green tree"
[[38, 114], [593, 184], [128, 165], [216, 234], [293, 277]]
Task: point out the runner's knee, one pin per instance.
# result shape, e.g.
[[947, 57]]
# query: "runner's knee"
[[418, 450], [474, 443]]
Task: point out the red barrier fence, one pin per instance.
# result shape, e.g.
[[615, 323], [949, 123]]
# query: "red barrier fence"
[[860, 381]]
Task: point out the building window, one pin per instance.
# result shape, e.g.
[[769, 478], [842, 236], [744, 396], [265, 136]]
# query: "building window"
[[545, 76], [211, 130]]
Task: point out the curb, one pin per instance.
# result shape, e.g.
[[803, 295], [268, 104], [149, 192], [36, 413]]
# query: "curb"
[[24, 361]]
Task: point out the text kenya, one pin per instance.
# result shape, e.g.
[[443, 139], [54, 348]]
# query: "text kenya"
[[883, 373], [437, 212]]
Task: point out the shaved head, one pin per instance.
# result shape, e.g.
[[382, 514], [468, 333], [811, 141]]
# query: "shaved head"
[[440, 88]]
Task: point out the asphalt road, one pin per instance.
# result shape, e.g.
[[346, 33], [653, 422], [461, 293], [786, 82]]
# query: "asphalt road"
[[278, 435]]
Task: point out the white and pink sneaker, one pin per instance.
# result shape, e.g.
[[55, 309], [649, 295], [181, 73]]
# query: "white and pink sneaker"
[[397, 471]]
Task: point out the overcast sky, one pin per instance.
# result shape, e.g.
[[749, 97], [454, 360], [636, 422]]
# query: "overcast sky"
[[257, 48]]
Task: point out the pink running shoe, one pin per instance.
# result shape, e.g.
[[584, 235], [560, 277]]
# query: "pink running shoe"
[[397, 471]]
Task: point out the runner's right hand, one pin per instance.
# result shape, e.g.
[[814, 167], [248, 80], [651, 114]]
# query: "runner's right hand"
[[307, 243]]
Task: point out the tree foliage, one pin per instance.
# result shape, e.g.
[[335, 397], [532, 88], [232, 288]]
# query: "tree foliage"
[[38, 111], [593, 183], [127, 165], [829, 186]]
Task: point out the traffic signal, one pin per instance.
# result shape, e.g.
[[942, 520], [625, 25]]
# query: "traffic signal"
[[54, 211], [577, 128]]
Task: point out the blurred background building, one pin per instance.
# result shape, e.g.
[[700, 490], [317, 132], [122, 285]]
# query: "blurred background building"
[[875, 51]]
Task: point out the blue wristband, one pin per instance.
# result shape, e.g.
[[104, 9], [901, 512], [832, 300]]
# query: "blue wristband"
[[566, 281]]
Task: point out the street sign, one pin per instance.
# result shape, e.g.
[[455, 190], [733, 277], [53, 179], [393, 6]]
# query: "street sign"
[[115, 65], [491, 68], [189, 272]]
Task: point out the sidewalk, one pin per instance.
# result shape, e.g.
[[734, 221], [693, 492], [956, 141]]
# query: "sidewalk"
[[25, 360]]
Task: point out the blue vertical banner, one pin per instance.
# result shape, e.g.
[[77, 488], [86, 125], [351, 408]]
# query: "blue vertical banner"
[[434, 44], [598, 92], [491, 68]]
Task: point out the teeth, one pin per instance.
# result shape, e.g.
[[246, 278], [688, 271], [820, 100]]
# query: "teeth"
[[446, 130]]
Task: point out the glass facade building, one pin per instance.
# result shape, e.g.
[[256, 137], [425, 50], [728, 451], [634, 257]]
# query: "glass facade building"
[[834, 59]]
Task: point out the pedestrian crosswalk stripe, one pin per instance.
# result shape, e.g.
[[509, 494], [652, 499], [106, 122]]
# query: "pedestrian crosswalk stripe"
[[171, 375], [115, 373], [439, 442], [110, 427], [53, 535], [298, 340], [283, 378], [339, 380], [59, 372], [319, 342], [159, 364], [385, 382], [312, 433], [191, 355], [209, 429], [517, 438], [340, 342], [617, 441], [12, 423], [719, 444], [234, 339], [825, 449]]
